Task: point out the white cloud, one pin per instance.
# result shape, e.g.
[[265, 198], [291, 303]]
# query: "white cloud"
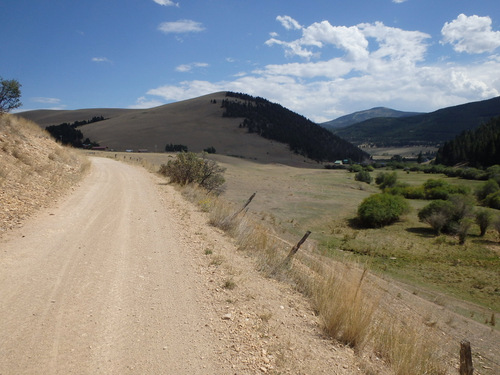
[[166, 3], [188, 67], [142, 102], [398, 1], [289, 23], [101, 59], [181, 26], [471, 34], [351, 68]]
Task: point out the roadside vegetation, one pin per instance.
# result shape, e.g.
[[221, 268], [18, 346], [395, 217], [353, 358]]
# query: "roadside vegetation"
[[464, 278], [347, 304]]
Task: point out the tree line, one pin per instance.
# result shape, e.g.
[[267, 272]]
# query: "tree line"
[[68, 134], [479, 147], [304, 137]]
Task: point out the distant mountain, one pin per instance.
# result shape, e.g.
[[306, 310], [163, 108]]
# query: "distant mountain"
[[360, 116], [425, 129], [199, 124]]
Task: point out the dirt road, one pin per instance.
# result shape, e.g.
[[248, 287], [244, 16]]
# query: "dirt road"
[[101, 285]]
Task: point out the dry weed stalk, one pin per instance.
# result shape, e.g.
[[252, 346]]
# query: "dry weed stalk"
[[406, 349], [347, 305]]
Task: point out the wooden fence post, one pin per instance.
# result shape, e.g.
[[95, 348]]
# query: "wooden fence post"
[[296, 247], [466, 367], [243, 208]]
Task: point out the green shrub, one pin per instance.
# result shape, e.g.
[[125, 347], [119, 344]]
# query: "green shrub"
[[414, 192], [438, 214], [440, 189], [483, 220], [447, 215], [489, 187], [383, 209], [363, 176], [188, 168], [386, 180], [355, 168], [369, 168], [493, 200]]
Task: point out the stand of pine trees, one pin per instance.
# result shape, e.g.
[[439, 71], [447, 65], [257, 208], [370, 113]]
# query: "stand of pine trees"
[[479, 147], [304, 137]]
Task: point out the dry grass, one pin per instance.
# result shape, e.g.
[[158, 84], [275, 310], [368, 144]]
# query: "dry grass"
[[33, 169], [347, 304], [406, 348]]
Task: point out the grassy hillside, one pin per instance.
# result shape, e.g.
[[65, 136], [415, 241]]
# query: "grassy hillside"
[[33, 169], [197, 123], [272, 121], [426, 129]]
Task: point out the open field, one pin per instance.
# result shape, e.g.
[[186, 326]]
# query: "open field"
[[299, 199]]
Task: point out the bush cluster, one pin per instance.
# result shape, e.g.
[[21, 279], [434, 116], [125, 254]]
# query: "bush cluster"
[[188, 168], [382, 209], [450, 216], [363, 176], [488, 194]]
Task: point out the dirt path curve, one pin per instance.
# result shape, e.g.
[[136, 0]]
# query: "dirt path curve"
[[101, 284]]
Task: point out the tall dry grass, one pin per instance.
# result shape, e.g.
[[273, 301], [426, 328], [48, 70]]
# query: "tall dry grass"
[[347, 304], [407, 349]]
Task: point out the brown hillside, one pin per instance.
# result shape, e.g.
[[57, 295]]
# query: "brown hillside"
[[196, 123], [33, 169]]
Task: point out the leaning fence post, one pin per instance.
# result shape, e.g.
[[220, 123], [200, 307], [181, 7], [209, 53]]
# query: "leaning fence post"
[[466, 367], [243, 208], [296, 247]]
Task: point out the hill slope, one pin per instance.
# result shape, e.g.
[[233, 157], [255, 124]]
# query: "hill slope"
[[197, 123], [33, 169], [368, 114], [272, 121], [426, 129]]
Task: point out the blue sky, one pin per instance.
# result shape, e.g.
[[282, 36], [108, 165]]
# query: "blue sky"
[[322, 59]]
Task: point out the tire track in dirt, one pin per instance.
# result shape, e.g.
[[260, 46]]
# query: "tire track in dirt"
[[101, 285]]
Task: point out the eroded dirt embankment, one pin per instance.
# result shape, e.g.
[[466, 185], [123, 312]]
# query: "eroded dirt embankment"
[[34, 170]]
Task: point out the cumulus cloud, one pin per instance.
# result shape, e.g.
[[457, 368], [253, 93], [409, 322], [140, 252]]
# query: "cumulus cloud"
[[471, 34], [188, 67], [337, 69], [288, 23], [166, 3], [181, 26]]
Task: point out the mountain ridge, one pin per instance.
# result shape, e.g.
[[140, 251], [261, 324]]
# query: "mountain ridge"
[[432, 128], [364, 115]]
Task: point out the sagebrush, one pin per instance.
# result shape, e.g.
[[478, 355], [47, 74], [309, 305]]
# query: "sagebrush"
[[189, 168]]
